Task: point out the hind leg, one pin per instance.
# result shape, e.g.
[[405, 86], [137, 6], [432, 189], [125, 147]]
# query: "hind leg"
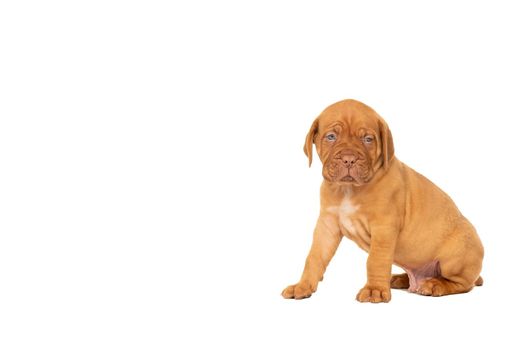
[[460, 259], [457, 275]]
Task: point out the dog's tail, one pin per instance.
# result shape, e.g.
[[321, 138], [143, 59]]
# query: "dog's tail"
[[479, 282]]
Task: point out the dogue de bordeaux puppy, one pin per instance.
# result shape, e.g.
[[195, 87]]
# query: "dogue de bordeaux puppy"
[[395, 214]]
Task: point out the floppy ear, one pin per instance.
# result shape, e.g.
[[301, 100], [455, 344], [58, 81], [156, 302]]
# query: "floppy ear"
[[308, 143], [387, 143]]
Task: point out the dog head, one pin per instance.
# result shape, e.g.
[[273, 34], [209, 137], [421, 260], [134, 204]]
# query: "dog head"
[[352, 141]]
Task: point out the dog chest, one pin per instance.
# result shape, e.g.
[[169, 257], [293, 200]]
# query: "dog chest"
[[349, 222], [346, 209], [344, 212]]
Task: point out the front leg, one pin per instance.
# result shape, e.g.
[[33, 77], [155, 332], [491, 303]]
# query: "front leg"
[[327, 237], [379, 266]]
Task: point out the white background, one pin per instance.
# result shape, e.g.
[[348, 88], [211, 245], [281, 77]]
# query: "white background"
[[153, 189]]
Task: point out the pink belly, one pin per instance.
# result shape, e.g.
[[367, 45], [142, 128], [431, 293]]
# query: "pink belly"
[[419, 274]]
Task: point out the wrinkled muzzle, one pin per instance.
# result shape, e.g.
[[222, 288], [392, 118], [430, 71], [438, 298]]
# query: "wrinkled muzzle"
[[347, 166]]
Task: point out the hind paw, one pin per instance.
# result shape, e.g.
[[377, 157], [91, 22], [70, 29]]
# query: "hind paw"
[[399, 281], [432, 287]]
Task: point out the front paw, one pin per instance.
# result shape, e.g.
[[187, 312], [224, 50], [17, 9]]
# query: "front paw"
[[300, 290], [374, 294]]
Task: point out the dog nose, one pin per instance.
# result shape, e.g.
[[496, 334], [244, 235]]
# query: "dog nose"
[[348, 159]]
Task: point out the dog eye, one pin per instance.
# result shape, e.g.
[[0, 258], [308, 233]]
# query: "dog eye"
[[331, 137], [368, 139]]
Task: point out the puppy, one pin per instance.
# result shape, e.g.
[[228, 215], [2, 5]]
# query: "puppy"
[[389, 210]]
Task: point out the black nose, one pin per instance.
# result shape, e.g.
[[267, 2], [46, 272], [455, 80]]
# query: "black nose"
[[348, 159]]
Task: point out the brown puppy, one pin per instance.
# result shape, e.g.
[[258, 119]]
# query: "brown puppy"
[[392, 212]]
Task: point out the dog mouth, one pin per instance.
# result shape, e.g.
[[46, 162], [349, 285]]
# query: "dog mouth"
[[347, 178], [355, 174]]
